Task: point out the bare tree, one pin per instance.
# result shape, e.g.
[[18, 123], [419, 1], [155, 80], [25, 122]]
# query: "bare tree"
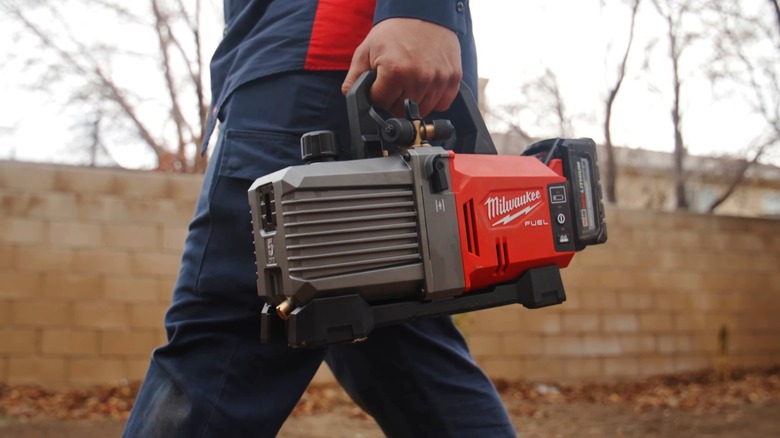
[[739, 58], [542, 107], [776, 5], [679, 40], [610, 177], [96, 67]]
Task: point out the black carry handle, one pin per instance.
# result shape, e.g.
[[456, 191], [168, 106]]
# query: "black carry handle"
[[471, 134]]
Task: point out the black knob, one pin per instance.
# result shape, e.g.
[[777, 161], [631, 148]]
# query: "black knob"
[[442, 130], [398, 132], [319, 146]]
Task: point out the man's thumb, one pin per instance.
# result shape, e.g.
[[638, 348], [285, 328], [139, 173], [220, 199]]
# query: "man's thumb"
[[360, 63]]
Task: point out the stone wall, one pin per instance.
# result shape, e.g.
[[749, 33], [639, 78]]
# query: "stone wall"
[[88, 258]]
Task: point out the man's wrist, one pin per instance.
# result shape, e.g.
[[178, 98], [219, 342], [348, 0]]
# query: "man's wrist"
[[448, 13]]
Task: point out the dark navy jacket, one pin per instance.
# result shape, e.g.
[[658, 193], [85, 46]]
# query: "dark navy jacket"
[[264, 37]]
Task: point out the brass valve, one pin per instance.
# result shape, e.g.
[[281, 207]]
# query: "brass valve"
[[412, 131]]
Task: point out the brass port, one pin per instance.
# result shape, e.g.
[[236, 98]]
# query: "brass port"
[[285, 309]]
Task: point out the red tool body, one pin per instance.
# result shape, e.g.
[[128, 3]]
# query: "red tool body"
[[500, 214]]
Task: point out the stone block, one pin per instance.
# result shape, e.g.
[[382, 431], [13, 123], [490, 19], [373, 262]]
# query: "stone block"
[[689, 322], [101, 209], [44, 259], [35, 370], [501, 368], [598, 299], [652, 366], [165, 290], [19, 284], [564, 345], [752, 360], [656, 322], [136, 369], [580, 368], [621, 367], [5, 313], [102, 261], [636, 301], [7, 257], [544, 369], [487, 344], [602, 345], [84, 372], [41, 313], [546, 320], [145, 185], [637, 344], [173, 238], [70, 342], [692, 363], [512, 344], [620, 322], [127, 288], [155, 263], [75, 235], [129, 236], [83, 180], [708, 343], [673, 302], [28, 177], [38, 205], [680, 240], [185, 187], [496, 320], [101, 315], [66, 287], [747, 243], [581, 322], [156, 211], [148, 316], [125, 343], [676, 343], [24, 231], [18, 340]]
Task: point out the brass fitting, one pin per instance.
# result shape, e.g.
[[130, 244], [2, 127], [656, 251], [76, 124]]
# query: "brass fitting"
[[285, 309]]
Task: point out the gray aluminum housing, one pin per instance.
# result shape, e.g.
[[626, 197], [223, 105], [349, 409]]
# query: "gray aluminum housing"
[[376, 227]]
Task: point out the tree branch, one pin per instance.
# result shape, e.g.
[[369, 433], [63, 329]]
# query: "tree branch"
[[611, 170]]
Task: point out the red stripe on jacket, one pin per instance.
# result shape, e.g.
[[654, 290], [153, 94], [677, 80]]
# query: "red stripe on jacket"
[[339, 27]]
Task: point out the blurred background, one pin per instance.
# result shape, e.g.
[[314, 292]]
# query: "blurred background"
[[104, 104]]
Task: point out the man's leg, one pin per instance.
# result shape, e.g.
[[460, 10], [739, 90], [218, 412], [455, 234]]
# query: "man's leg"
[[214, 377], [419, 379]]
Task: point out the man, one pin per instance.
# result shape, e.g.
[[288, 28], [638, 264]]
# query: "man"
[[280, 71]]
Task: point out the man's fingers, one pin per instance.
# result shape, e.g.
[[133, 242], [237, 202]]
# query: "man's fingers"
[[388, 92], [361, 63], [392, 48], [433, 92], [449, 93]]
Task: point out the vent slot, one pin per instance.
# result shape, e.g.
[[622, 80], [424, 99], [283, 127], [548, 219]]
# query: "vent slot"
[[268, 208], [340, 232], [273, 282], [470, 222], [502, 256]]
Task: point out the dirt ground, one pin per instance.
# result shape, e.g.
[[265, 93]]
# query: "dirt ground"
[[693, 405], [567, 420]]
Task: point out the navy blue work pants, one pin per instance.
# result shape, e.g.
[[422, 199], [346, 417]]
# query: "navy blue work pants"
[[215, 379]]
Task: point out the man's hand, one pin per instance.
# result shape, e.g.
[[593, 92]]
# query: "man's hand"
[[414, 59]]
